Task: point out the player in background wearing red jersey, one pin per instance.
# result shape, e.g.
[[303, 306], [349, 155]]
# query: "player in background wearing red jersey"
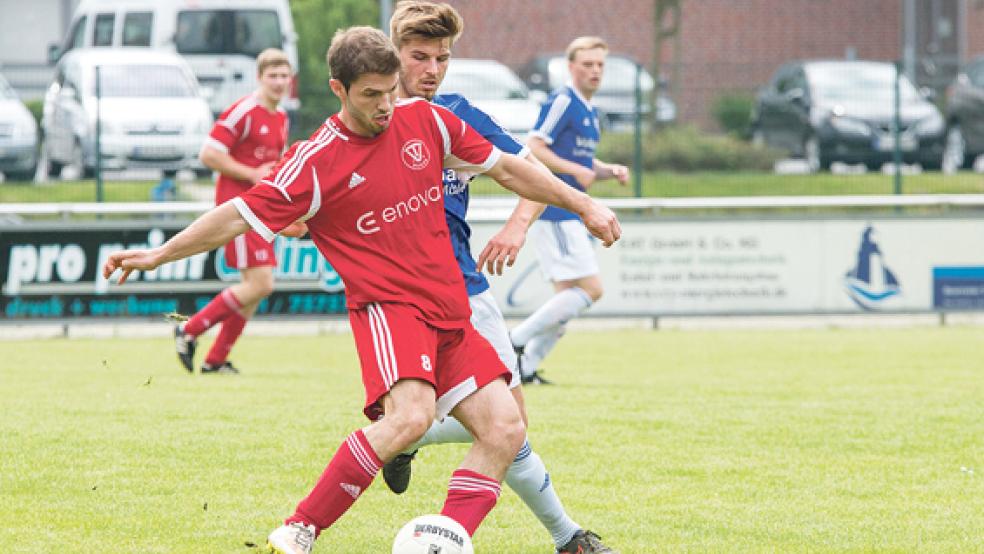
[[368, 185], [244, 145]]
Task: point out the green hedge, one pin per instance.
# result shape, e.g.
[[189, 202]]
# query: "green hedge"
[[733, 112], [686, 149]]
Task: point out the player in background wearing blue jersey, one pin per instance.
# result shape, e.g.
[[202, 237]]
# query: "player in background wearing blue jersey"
[[564, 139], [423, 33]]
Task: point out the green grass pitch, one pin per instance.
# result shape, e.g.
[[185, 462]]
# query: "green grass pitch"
[[665, 441]]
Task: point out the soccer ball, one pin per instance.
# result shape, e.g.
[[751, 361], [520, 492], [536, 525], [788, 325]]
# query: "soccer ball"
[[432, 534]]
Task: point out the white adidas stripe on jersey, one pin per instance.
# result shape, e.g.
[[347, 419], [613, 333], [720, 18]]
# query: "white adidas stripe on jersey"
[[289, 171], [315, 196], [444, 133], [238, 112], [557, 110]]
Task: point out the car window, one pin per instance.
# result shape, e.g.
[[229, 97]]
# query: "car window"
[[786, 81], [869, 82], [143, 81], [976, 74], [619, 75], [102, 29], [136, 28], [483, 81], [246, 32], [6, 91], [76, 35]]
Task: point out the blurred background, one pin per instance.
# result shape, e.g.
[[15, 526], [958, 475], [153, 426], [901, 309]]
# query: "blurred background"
[[109, 100], [708, 97]]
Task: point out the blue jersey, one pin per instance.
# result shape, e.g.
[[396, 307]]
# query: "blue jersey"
[[456, 185], [569, 126]]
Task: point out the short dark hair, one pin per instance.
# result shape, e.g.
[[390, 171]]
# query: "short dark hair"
[[359, 50], [423, 19]]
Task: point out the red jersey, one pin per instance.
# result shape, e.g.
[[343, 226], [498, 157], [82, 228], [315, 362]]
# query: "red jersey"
[[375, 206], [252, 135]]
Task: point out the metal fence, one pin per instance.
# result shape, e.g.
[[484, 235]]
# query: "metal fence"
[[712, 99]]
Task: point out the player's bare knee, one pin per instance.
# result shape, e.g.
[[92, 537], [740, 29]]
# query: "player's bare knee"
[[513, 434], [266, 290], [595, 291], [264, 287], [411, 424]]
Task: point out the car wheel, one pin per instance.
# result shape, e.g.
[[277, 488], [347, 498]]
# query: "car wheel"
[[954, 150]]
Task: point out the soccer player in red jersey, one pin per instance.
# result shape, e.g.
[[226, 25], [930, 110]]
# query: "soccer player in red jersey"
[[245, 143], [368, 185]]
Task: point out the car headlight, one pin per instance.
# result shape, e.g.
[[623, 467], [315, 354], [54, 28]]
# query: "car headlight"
[[850, 126], [932, 125], [202, 127]]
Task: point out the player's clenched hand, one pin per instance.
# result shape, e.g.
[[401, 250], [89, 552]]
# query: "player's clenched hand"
[[620, 172], [502, 249], [602, 223], [129, 260], [262, 171]]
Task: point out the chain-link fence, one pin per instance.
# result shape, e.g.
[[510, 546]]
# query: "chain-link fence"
[[698, 98]]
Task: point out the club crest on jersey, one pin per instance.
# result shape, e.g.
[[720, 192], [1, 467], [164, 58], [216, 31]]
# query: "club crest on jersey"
[[415, 154]]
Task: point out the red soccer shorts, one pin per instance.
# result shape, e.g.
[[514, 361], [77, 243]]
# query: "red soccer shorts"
[[249, 250], [394, 343]]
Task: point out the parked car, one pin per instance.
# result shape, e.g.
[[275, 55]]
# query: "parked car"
[[495, 89], [151, 113], [219, 39], [965, 118], [615, 99], [18, 135], [827, 111]]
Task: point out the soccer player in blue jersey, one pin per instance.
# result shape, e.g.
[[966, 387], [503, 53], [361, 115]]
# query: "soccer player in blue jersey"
[[423, 33], [564, 139]]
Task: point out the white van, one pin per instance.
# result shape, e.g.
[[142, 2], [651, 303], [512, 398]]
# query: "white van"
[[219, 39]]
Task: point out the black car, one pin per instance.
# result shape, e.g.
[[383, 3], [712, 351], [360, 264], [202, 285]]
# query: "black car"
[[965, 117], [827, 111]]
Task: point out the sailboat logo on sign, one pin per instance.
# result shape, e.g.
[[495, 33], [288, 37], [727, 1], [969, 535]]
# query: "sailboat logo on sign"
[[870, 283]]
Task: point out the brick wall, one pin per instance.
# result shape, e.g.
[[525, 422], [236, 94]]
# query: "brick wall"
[[727, 45], [513, 31], [738, 44], [975, 28]]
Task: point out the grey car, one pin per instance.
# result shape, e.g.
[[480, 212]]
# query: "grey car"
[[18, 135], [965, 117], [835, 110]]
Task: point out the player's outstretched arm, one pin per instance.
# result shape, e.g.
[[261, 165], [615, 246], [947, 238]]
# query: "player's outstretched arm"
[[225, 164], [585, 176], [534, 183], [611, 171], [503, 248], [213, 229]]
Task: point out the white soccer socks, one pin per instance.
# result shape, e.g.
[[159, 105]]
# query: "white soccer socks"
[[561, 307]]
